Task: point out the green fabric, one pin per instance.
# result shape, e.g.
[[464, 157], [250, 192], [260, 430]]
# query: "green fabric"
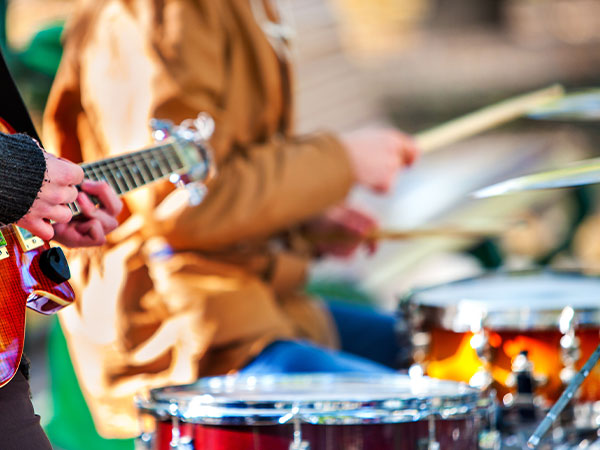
[[45, 50], [342, 290], [71, 426]]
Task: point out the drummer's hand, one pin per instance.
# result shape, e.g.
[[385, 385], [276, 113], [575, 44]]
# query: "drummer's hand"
[[377, 154], [58, 189], [91, 228], [341, 230]]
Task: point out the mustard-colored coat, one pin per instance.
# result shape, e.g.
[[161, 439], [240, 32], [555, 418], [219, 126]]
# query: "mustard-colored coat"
[[232, 281]]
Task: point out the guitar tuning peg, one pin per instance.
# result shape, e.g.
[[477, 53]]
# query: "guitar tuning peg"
[[161, 129], [197, 192], [205, 125]]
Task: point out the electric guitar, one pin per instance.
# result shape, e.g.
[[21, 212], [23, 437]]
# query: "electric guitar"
[[34, 274]]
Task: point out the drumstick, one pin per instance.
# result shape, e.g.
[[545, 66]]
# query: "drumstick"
[[485, 118], [430, 232], [390, 234], [563, 400]]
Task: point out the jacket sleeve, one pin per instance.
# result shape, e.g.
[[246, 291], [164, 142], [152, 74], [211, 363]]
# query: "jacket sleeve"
[[173, 63], [22, 170], [260, 189]]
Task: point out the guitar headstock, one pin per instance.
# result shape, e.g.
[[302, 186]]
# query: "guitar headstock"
[[191, 140]]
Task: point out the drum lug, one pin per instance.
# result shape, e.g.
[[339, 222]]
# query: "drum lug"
[[482, 379], [432, 444], [421, 342], [302, 445], [178, 442], [570, 348], [481, 344], [490, 440], [522, 377], [298, 443], [144, 442]]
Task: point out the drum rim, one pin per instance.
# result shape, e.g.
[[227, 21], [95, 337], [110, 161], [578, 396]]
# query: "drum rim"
[[466, 402], [452, 317]]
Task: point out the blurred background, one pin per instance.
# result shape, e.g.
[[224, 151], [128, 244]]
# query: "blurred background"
[[413, 63]]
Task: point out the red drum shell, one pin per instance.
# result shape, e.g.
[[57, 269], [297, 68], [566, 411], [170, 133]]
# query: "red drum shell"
[[333, 411], [451, 434]]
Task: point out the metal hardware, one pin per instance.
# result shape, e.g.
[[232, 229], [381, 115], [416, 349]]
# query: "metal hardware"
[[524, 380], [420, 346], [197, 192], [144, 442], [490, 440], [297, 443], [196, 133], [178, 442], [570, 348], [161, 129], [228, 403], [481, 344], [482, 379], [432, 444], [205, 126], [564, 399]]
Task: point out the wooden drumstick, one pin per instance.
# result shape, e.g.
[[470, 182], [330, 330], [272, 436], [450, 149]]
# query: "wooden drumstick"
[[486, 118], [431, 232], [415, 233]]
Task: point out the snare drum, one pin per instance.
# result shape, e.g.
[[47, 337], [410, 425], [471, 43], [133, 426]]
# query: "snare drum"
[[476, 328], [316, 412]]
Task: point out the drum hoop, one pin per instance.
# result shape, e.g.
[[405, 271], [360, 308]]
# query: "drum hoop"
[[457, 317], [211, 410]]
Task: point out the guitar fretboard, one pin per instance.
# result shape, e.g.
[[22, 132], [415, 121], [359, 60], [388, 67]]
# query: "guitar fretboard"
[[130, 171]]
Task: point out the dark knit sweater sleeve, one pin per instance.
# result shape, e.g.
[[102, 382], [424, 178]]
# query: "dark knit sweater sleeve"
[[22, 171]]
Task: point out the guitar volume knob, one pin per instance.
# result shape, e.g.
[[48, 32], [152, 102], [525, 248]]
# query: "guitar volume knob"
[[53, 264]]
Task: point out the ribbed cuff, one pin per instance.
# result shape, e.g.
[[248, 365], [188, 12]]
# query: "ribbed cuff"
[[22, 171]]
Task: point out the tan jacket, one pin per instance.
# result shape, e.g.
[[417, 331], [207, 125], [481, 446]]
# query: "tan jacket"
[[232, 280]]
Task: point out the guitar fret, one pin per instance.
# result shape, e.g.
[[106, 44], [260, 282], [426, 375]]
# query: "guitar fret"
[[125, 175], [90, 173], [75, 208], [160, 160], [127, 172], [118, 176], [134, 171], [151, 164], [110, 177], [171, 161], [144, 171]]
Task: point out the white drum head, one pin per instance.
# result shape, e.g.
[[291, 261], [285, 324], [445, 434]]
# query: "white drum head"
[[512, 300], [315, 398]]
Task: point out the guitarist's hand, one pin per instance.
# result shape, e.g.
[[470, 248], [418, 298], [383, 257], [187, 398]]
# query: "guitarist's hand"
[[58, 189], [96, 222]]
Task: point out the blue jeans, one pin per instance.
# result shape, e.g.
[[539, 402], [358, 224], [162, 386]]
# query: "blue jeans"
[[368, 344]]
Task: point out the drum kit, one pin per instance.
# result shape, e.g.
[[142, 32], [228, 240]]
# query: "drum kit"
[[506, 360]]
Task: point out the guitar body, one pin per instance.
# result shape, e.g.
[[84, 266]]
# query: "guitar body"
[[23, 283]]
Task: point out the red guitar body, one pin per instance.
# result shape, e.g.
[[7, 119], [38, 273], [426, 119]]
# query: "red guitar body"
[[23, 283]]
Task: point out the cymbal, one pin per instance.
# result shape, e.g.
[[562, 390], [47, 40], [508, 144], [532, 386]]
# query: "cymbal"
[[576, 174], [579, 106]]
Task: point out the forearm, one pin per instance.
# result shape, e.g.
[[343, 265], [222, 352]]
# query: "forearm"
[[22, 170]]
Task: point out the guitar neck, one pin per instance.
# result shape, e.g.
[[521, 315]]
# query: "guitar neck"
[[127, 172]]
